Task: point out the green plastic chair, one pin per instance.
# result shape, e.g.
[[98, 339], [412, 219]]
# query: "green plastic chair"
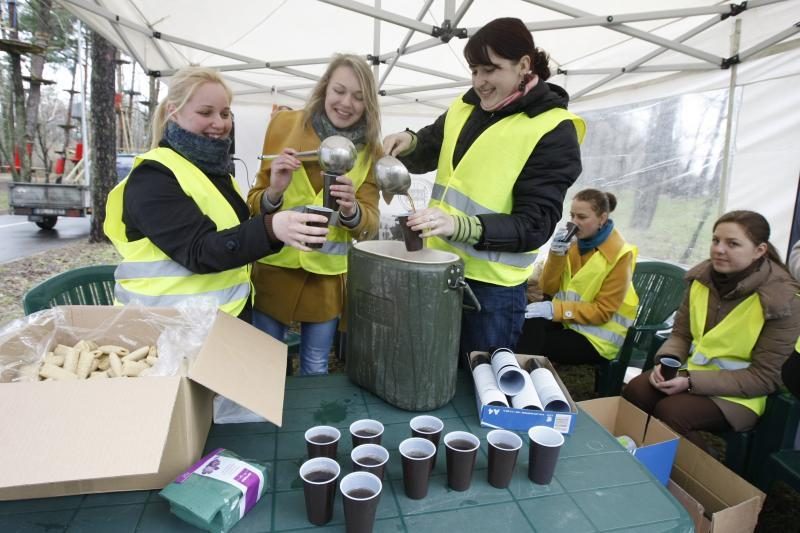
[[660, 287], [92, 285]]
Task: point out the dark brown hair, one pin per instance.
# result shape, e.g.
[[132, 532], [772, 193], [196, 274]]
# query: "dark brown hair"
[[756, 228], [510, 39], [601, 202]]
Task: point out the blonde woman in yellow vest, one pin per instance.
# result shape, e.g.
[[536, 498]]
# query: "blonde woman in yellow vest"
[[791, 368], [589, 279], [309, 286], [738, 323], [504, 153], [179, 220]]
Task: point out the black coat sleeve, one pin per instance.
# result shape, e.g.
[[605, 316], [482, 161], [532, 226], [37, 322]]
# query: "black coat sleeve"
[[155, 206], [539, 191], [425, 157]]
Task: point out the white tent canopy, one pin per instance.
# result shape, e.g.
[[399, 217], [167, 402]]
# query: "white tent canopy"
[[722, 76]]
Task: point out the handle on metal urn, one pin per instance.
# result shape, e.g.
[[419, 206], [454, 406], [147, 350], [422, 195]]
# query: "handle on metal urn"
[[456, 281]]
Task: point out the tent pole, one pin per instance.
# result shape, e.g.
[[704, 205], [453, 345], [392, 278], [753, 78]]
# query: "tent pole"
[[726, 151], [376, 43]]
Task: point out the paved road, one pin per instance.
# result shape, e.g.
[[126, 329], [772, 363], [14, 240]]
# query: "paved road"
[[20, 238]]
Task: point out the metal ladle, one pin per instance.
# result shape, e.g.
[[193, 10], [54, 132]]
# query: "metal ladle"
[[392, 177], [336, 154]]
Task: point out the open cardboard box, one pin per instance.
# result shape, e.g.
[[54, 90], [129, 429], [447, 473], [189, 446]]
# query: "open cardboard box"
[[717, 499], [656, 443], [524, 419], [73, 437]]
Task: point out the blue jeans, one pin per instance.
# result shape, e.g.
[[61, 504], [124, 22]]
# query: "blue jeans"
[[499, 323], [316, 339]]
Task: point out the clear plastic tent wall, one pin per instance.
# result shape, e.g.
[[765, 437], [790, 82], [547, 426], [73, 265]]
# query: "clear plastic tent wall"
[[678, 139]]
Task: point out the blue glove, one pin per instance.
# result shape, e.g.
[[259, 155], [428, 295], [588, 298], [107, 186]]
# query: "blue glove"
[[539, 310], [557, 245]]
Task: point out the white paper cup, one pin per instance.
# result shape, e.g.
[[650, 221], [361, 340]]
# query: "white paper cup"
[[509, 375], [527, 397], [486, 385]]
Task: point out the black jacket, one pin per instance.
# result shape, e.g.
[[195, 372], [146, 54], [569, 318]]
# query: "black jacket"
[[553, 165], [155, 206]]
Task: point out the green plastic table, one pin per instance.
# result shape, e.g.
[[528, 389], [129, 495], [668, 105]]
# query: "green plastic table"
[[598, 486]]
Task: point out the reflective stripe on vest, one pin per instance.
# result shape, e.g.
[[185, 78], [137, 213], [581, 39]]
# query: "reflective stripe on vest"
[[729, 344], [609, 337], [332, 257], [483, 183], [147, 275]]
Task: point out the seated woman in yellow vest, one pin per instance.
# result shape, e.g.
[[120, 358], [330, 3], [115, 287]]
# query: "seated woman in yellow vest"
[[505, 154], [309, 286], [179, 220], [791, 368], [736, 326], [589, 278]]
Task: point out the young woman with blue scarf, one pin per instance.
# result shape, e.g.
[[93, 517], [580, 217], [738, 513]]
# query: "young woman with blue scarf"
[[589, 278], [178, 219]]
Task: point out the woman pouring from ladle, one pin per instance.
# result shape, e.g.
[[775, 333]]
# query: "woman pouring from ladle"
[[505, 153]]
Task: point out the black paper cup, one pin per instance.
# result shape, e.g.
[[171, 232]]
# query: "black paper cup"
[[361, 493], [413, 239], [319, 477], [370, 458], [417, 455], [366, 431], [545, 445], [462, 452], [669, 367], [329, 201], [318, 210], [504, 447], [322, 441], [427, 427]]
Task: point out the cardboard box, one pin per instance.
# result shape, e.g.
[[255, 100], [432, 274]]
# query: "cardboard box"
[[73, 437], [718, 500], [656, 443], [524, 419]]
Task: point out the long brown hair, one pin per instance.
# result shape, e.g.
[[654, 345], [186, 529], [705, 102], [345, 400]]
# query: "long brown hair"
[[509, 38], [756, 228], [181, 88], [372, 114]]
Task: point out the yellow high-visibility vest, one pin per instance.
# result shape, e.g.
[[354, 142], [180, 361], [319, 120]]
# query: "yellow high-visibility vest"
[[729, 344], [148, 275], [332, 257], [483, 183], [606, 338]]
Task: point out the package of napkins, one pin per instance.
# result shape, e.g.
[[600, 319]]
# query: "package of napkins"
[[217, 491]]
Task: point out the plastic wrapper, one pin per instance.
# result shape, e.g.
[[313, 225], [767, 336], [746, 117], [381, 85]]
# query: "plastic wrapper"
[[178, 338], [226, 411], [217, 491]]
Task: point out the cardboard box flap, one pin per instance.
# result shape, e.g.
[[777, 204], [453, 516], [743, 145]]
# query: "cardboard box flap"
[[243, 364], [66, 435], [709, 482]]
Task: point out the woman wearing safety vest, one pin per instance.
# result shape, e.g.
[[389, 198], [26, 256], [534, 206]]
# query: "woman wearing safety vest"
[[505, 154], [791, 368], [589, 277], [735, 328], [179, 220], [308, 286]]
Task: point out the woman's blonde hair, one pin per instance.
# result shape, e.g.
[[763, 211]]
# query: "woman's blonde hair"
[[181, 88], [359, 65]]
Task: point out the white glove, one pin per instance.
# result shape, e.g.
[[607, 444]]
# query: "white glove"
[[557, 245], [539, 310]]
